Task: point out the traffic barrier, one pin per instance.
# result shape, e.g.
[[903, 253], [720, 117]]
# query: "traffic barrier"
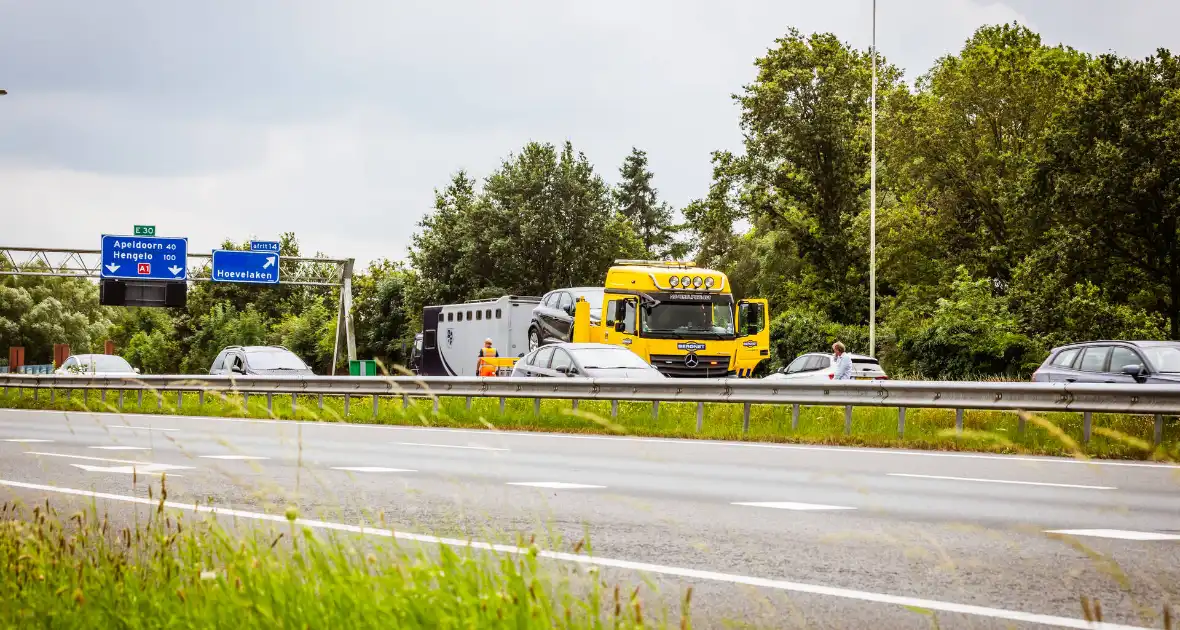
[[1085, 398]]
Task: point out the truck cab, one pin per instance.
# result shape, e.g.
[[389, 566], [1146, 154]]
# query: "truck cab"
[[680, 318]]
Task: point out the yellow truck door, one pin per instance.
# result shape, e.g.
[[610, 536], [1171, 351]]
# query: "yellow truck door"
[[753, 330], [621, 323]]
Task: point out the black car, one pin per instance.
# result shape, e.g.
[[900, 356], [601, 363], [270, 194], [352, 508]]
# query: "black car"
[[553, 318]]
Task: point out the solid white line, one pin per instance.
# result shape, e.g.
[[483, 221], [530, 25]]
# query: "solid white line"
[[556, 485], [474, 448], [233, 457], [1021, 483], [1121, 534], [126, 426], [93, 459], [120, 448], [26, 440], [787, 505], [567, 436], [782, 585], [374, 469]]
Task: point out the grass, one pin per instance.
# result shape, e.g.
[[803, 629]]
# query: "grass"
[[167, 572], [1114, 435]]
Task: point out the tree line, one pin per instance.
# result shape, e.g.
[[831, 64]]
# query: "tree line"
[[1027, 197]]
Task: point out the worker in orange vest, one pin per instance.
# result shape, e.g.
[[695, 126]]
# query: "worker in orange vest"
[[485, 368]]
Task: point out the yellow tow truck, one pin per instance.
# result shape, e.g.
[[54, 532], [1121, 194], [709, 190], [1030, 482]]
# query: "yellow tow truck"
[[680, 318]]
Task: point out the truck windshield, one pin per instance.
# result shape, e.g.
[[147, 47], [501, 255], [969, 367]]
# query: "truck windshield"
[[690, 319]]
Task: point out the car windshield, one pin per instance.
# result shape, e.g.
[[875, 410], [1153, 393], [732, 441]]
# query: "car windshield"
[[104, 363], [594, 297], [1164, 358], [609, 359], [274, 360], [690, 318]]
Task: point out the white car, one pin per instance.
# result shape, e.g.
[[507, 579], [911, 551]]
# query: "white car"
[[97, 365], [817, 366], [592, 360]]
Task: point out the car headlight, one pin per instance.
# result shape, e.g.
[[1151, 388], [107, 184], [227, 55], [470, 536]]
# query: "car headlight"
[[674, 281], [697, 282], [709, 283]]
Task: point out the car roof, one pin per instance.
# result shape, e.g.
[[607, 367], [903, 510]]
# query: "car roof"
[[1126, 342], [576, 346], [828, 354], [255, 348], [94, 354]]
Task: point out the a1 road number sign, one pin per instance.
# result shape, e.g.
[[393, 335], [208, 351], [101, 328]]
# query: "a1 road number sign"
[[145, 269]]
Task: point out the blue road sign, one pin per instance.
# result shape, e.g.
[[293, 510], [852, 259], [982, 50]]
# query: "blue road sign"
[[144, 257], [264, 246], [251, 267]]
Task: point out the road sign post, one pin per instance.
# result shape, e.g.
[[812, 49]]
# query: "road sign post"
[[231, 265], [144, 258]]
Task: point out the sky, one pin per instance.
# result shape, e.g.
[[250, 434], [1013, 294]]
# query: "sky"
[[248, 118]]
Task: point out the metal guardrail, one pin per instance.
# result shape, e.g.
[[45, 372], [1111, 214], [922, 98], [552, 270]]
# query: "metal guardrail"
[[1084, 398]]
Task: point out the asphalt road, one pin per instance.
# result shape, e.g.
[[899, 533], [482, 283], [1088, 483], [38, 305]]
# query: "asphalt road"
[[775, 535]]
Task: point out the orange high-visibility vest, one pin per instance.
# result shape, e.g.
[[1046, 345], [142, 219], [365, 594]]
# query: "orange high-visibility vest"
[[485, 368]]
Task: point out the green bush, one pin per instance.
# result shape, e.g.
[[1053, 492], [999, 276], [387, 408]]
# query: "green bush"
[[799, 331]]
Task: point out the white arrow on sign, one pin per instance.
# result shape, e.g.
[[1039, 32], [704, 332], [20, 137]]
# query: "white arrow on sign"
[[270, 260], [147, 469], [175, 270], [112, 267]]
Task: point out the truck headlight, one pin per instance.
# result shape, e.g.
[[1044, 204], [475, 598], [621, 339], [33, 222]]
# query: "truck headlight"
[[674, 280], [697, 282], [709, 283], [686, 281]]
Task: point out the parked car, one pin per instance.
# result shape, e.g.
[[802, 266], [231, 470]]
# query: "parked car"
[[553, 318], [97, 364], [817, 366], [1112, 362], [259, 361], [591, 360]]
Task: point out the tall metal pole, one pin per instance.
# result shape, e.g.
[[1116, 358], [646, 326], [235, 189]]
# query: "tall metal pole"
[[873, 202]]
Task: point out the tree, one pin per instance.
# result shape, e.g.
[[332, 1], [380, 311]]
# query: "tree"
[[385, 314], [1110, 170], [639, 203]]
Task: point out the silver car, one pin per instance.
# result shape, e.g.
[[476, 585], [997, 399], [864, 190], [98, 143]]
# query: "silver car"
[[819, 366], [1112, 362], [590, 360]]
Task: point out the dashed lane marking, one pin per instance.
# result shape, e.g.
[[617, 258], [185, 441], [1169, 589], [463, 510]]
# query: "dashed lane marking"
[[790, 505], [1009, 481], [372, 469], [556, 485], [1120, 534]]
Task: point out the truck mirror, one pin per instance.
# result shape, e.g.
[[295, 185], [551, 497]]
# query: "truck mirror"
[[620, 311]]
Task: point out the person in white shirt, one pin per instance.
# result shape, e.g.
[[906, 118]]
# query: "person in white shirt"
[[842, 365]]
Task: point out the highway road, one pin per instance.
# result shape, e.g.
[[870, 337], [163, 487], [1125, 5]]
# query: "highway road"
[[773, 535]]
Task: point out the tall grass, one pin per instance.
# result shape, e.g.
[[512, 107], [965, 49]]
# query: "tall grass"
[[168, 572], [1113, 435]]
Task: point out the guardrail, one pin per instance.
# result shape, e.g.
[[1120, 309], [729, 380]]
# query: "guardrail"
[[1084, 398]]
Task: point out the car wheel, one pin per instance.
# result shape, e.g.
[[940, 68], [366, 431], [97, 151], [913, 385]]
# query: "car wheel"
[[534, 339]]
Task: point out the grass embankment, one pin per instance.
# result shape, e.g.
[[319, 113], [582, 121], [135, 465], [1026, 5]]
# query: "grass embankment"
[[82, 572], [1113, 436]]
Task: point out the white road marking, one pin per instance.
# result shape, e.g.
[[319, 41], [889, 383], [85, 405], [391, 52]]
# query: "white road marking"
[[234, 457], [855, 450], [1021, 483], [474, 448], [373, 469], [26, 440], [93, 459], [1121, 534], [788, 505], [586, 560], [149, 469], [126, 426], [556, 485], [121, 448]]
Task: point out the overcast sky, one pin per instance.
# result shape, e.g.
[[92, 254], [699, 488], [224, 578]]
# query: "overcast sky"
[[247, 118]]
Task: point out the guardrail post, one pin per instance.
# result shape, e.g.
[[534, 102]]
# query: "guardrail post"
[[374, 406], [958, 421], [120, 400], [901, 422], [52, 395], [321, 402], [138, 398], [745, 418], [436, 403], [294, 404], [37, 389], [1159, 429], [655, 410], [179, 400], [537, 407], [405, 401], [103, 392], [576, 401], [794, 417], [347, 400], [270, 400], [1087, 426], [469, 403], [86, 398], [614, 409], [700, 415], [1020, 424], [847, 419], [159, 399], [501, 405], [201, 398]]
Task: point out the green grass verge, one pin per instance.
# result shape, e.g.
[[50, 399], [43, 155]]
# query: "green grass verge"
[[1113, 436], [170, 572]]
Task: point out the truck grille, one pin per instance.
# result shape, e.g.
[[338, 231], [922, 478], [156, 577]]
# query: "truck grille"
[[673, 365]]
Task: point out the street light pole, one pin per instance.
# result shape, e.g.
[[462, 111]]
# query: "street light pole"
[[873, 202]]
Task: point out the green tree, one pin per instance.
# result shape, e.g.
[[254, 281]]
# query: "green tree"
[[1110, 171], [638, 201], [385, 314]]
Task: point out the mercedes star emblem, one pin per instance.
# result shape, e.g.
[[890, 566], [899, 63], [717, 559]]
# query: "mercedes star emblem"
[[690, 360]]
